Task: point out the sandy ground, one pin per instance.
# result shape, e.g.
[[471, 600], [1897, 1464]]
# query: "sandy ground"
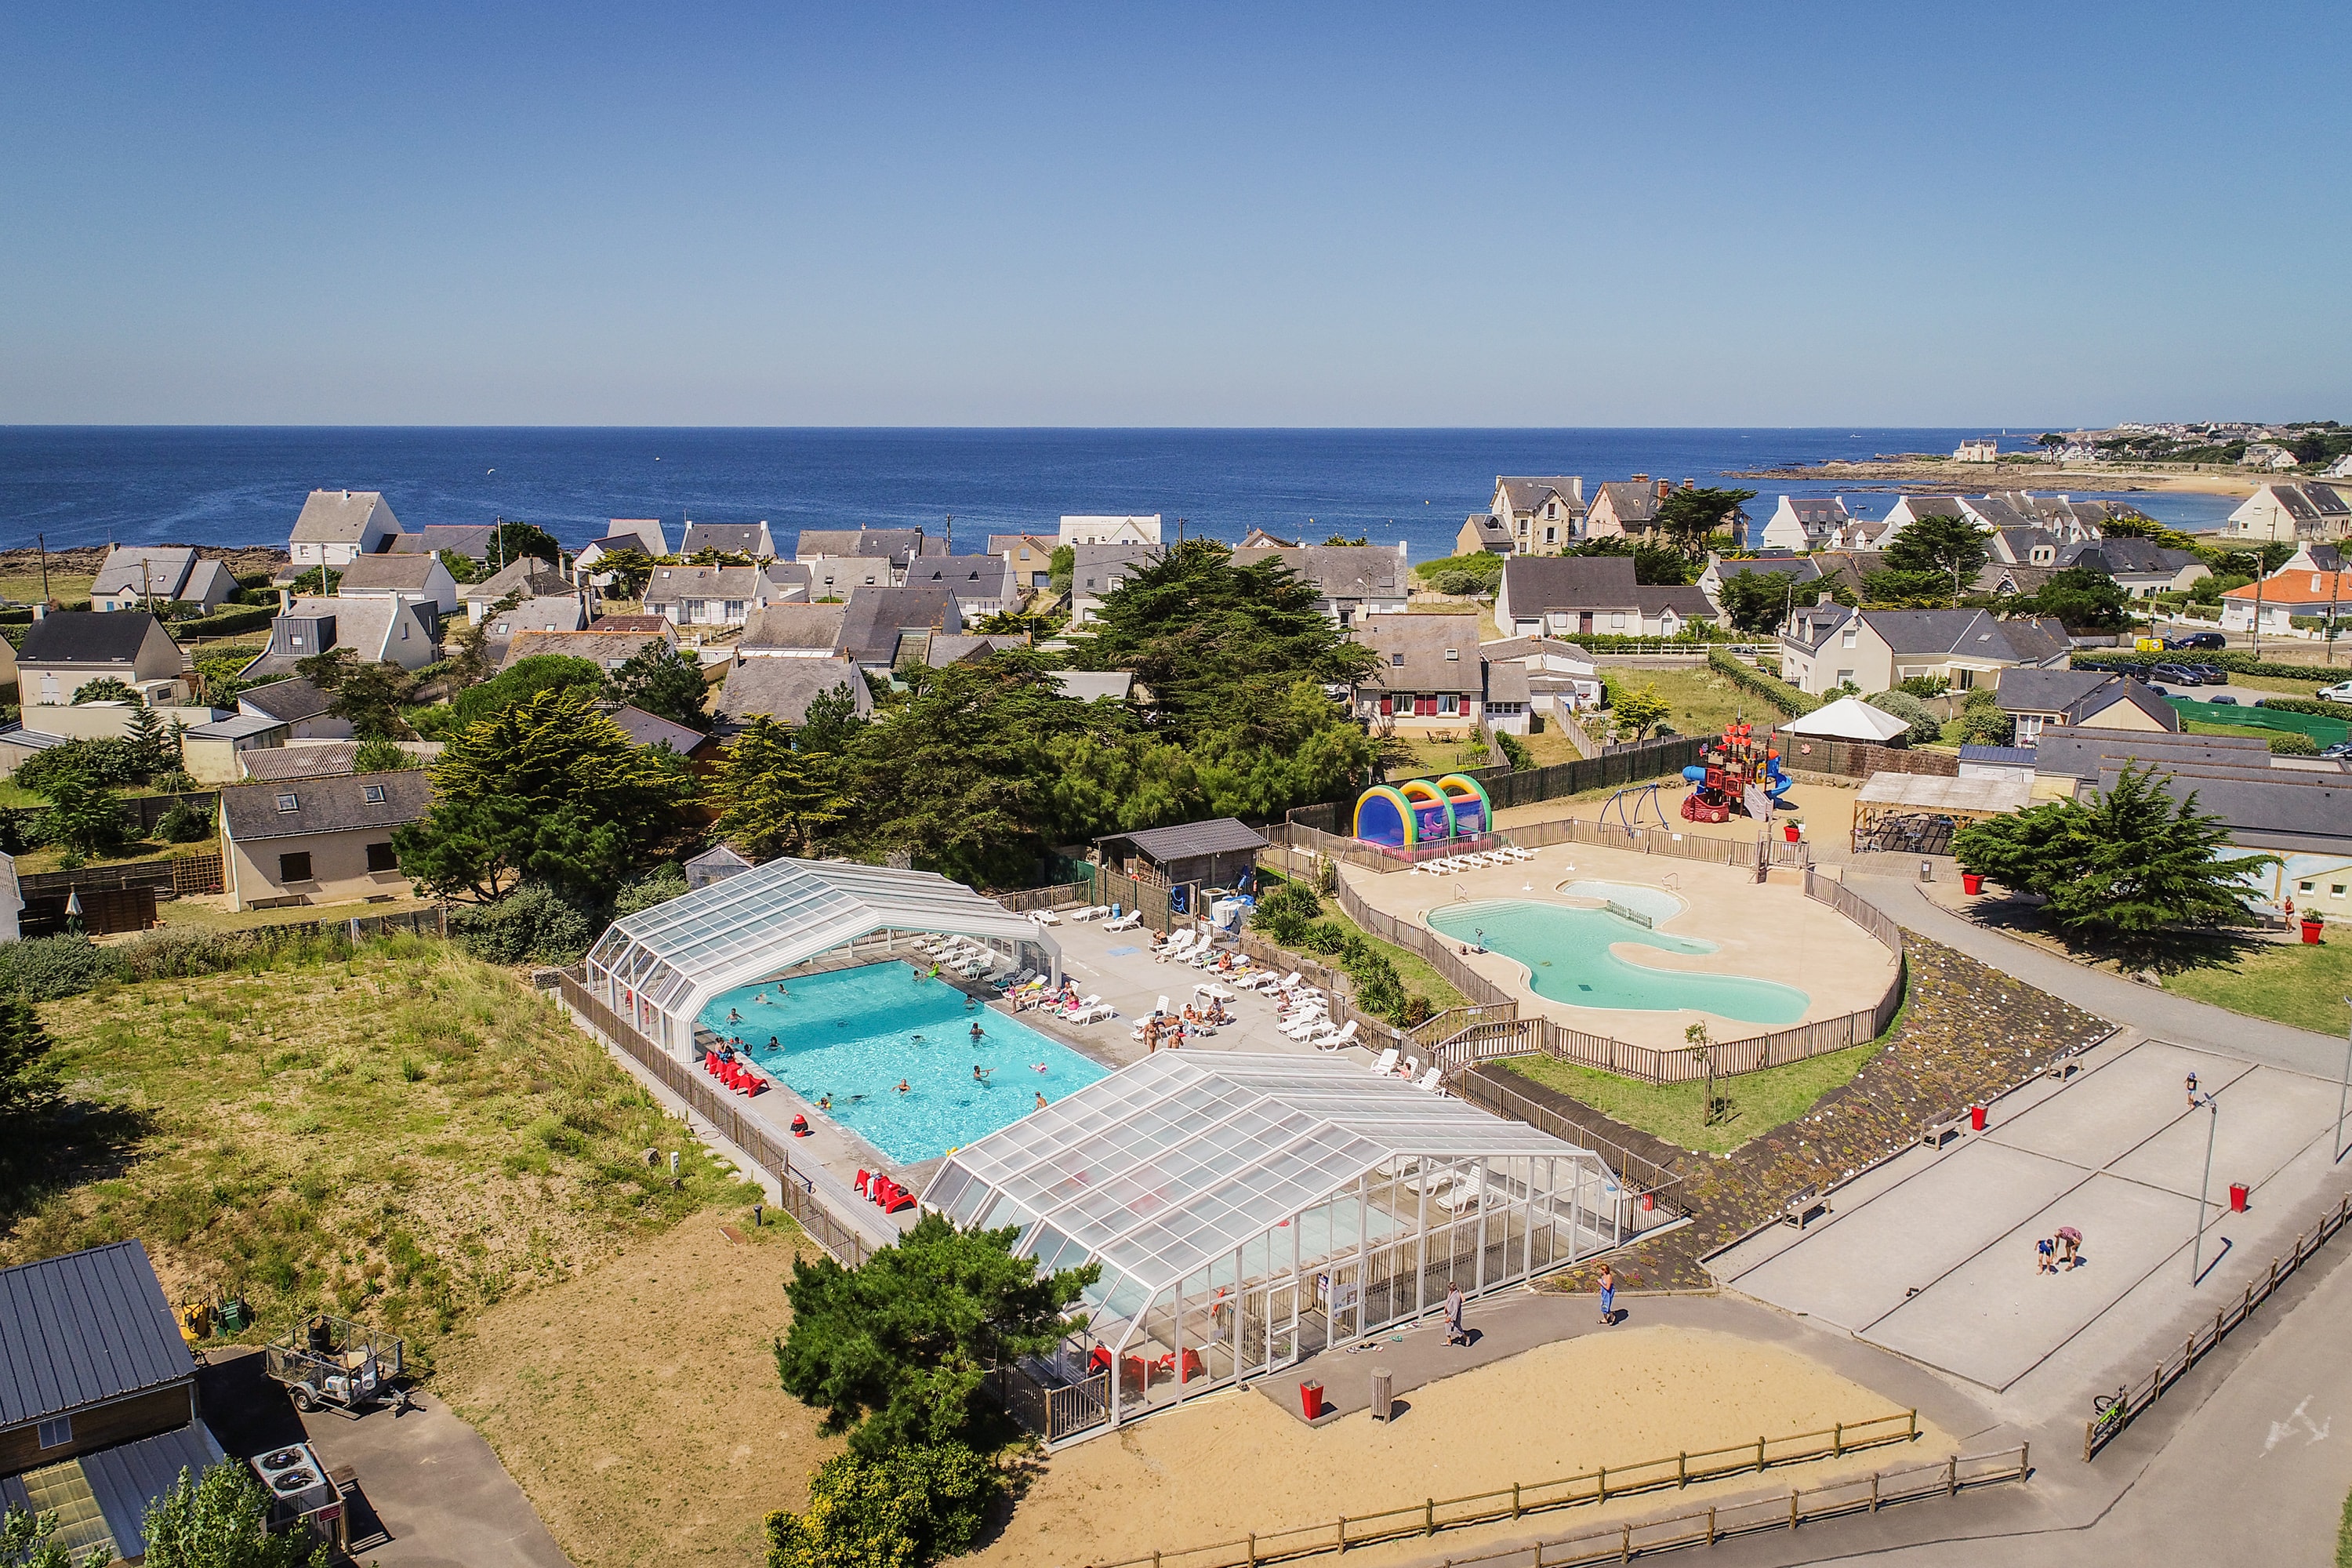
[[638, 1406], [1976, 479], [1235, 1463]]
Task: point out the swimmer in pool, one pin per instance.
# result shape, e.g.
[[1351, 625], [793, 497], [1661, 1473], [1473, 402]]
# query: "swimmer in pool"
[[825, 1103], [771, 1044], [1041, 1102], [1036, 1066], [762, 999], [902, 1086], [976, 1031], [981, 1074], [733, 1016]]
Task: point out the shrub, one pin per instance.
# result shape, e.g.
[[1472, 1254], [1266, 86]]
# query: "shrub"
[[184, 824], [2311, 705], [658, 886], [1514, 750], [1981, 697], [1925, 726], [94, 762], [532, 924], [1922, 685], [1779, 693], [913, 1508], [2293, 744], [47, 967], [383, 756], [175, 954], [1987, 726]]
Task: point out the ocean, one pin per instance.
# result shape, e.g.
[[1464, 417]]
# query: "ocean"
[[242, 485]]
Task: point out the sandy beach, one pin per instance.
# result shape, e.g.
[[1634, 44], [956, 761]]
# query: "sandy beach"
[[1234, 1463]]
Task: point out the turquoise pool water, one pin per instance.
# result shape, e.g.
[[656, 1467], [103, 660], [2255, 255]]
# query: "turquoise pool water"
[[1655, 902], [1567, 952], [854, 1034]]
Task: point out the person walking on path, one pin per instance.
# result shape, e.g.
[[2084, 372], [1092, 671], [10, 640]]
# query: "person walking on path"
[[1608, 1294], [2192, 1091], [1455, 1334]]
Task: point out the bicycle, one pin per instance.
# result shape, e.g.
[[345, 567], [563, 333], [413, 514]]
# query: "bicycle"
[[2110, 1411]]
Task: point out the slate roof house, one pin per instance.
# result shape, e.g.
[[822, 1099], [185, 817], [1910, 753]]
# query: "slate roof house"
[[378, 629], [1099, 569], [2291, 514], [98, 1397], [414, 579], [782, 689], [1432, 679], [338, 527], [2047, 698], [134, 577], [297, 704], [1214, 852], [1030, 556], [751, 539], [1625, 509], [1484, 533], [2139, 566], [1349, 580], [66, 650], [983, 584], [840, 559], [1828, 646], [1593, 594], [791, 631], [710, 595], [880, 619], [1803, 522], [318, 841], [477, 542], [529, 578], [608, 650], [1540, 513]]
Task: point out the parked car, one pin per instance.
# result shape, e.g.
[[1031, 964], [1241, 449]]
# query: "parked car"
[[2199, 639], [2211, 674], [2179, 675], [2340, 750], [2222, 699], [2339, 692]]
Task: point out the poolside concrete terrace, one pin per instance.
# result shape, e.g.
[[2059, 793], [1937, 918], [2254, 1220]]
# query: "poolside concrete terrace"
[[1932, 1255], [1768, 931]]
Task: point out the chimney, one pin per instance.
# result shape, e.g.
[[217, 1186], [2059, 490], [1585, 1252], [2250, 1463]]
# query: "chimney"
[[40, 610], [285, 601], [1665, 489]]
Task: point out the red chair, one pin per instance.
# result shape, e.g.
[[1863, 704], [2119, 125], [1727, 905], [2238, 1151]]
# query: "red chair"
[[1192, 1368], [864, 1176], [900, 1198], [1134, 1372], [1097, 1360]]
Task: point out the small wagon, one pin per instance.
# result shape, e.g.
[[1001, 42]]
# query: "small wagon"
[[334, 1362]]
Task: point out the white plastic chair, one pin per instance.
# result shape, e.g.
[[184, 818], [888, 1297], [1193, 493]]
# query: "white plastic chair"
[[1386, 1064]]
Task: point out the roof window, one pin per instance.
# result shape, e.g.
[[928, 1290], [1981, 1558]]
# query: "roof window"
[[288, 803], [373, 794]]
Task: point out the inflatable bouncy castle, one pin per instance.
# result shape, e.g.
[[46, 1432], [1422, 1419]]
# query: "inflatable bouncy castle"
[[1423, 811]]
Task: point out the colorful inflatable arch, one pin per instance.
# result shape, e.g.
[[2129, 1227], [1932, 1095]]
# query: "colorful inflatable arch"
[[1419, 811]]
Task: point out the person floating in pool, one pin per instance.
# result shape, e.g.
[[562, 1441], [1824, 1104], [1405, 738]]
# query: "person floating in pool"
[[772, 1044], [1037, 1066], [969, 1002], [903, 1086], [980, 1075], [762, 999], [825, 1102]]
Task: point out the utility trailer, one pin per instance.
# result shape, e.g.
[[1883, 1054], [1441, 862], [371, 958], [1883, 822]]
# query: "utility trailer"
[[334, 1362]]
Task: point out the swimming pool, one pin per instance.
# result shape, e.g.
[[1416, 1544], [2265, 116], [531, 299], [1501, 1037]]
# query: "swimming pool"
[[1655, 902], [855, 1034], [1567, 952]]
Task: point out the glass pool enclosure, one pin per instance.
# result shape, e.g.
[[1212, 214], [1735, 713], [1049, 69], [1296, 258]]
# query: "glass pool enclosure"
[[1250, 1210], [660, 967]]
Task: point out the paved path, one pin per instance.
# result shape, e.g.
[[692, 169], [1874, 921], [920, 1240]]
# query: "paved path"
[[2150, 1011]]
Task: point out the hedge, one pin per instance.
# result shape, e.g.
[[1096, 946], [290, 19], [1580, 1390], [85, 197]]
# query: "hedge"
[[1796, 704], [2221, 658], [227, 621], [2311, 705]]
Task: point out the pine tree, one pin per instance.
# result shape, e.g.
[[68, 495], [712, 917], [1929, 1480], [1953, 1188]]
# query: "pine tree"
[[663, 682], [772, 799]]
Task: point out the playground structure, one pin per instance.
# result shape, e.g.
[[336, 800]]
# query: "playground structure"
[[1422, 812], [1737, 771], [1627, 807]]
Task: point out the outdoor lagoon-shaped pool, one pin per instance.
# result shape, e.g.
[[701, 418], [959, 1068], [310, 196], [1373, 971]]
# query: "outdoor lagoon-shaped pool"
[[1569, 957]]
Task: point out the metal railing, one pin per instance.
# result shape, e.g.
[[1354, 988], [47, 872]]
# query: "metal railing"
[[1519, 1499], [746, 1133], [2134, 1399]]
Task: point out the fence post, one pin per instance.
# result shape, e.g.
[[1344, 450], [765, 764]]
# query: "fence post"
[[1625, 1545], [1429, 1517], [1343, 1532], [1952, 1476], [2090, 1436], [1837, 1439], [1759, 1456], [1710, 1524], [1682, 1469], [1514, 1500], [1253, 1549], [1602, 1495], [1792, 1509], [1873, 1491], [1915, 1423]]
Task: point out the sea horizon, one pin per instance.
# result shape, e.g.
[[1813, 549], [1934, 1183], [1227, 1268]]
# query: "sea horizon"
[[233, 485]]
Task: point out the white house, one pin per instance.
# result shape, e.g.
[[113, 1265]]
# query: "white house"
[[1097, 569], [2288, 515], [134, 577], [1976, 450], [2266, 455], [1349, 581], [751, 539], [414, 579], [709, 596], [1538, 513], [381, 629], [1128, 529], [338, 527], [1803, 522]]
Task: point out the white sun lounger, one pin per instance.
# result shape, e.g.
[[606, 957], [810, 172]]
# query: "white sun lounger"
[[1045, 917], [1430, 1080], [1386, 1064], [1096, 1014], [1468, 1192], [1339, 1039], [1128, 921]]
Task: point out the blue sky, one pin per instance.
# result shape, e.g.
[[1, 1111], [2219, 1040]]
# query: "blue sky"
[[1548, 216]]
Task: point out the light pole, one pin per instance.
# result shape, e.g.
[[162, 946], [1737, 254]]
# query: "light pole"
[[2197, 1248]]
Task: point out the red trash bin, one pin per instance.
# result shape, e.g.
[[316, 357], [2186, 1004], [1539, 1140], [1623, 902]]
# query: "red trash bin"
[[1310, 1400], [1975, 1118], [2237, 1197]]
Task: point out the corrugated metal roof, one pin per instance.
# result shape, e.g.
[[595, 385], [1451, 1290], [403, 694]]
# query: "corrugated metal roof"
[[128, 1477], [82, 1328]]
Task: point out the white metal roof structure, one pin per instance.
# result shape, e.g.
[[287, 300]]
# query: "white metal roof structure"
[[1247, 1210], [1848, 719], [661, 966]]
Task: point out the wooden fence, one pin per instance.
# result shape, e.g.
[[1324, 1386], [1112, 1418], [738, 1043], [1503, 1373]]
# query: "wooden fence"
[[1556, 711], [1856, 759], [1053, 898], [1519, 1499], [747, 1132], [1507, 787], [1731, 1521], [2131, 1399]]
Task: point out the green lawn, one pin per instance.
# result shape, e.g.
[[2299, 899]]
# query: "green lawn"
[[1407, 756], [403, 1134], [1759, 1101], [1702, 701], [2304, 986]]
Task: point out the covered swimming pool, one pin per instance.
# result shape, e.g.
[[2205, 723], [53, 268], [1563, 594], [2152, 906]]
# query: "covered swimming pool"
[[1250, 1210]]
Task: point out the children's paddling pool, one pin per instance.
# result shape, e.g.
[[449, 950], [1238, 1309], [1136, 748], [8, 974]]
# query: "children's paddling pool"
[[855, 1034], [1567, 953]]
